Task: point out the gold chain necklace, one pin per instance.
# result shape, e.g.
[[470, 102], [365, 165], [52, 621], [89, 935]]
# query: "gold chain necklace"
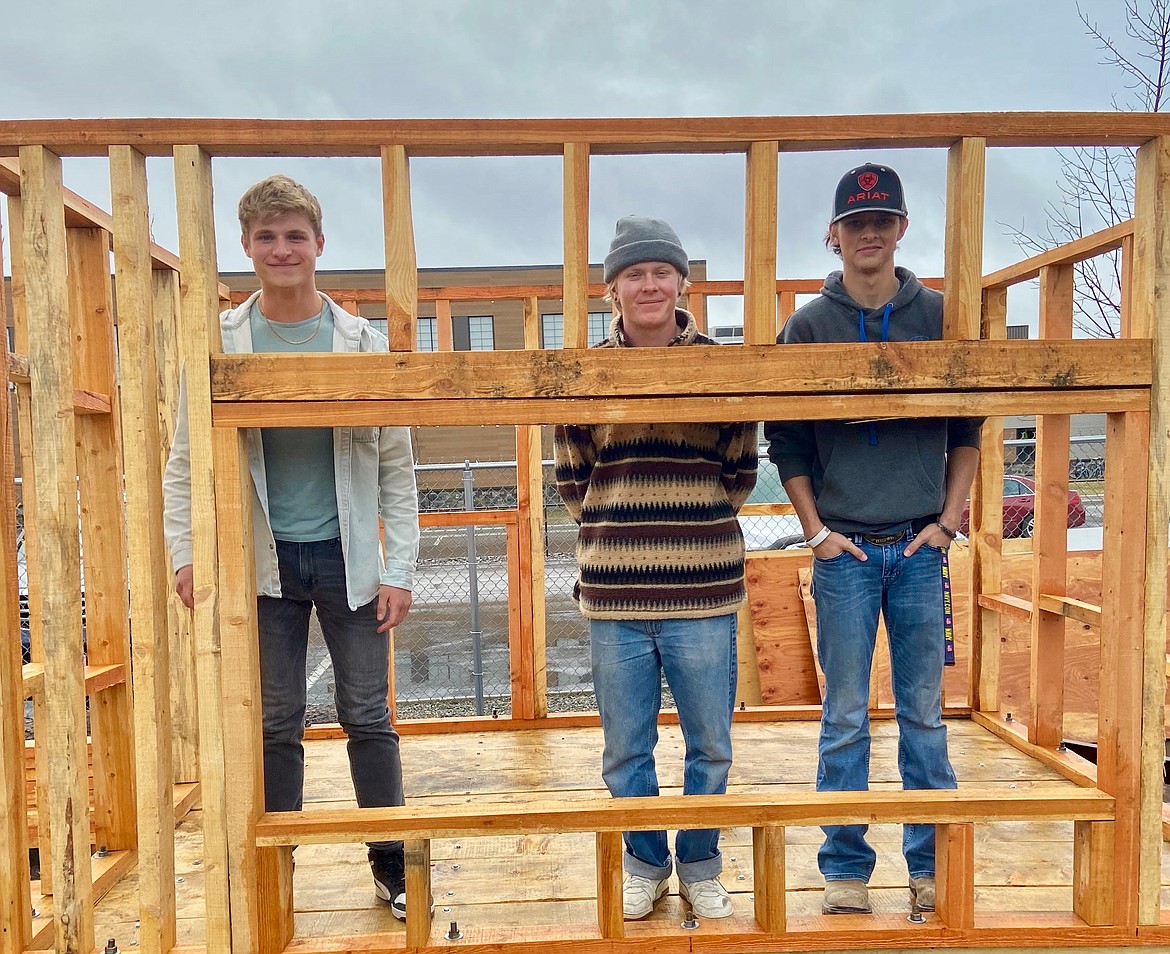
[[317, 327]]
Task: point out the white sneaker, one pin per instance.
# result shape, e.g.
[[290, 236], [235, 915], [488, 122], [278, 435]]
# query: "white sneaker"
[[639, 895], [709, 899]]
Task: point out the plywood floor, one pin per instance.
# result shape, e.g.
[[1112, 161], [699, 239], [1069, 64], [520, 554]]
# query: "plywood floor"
[[549, 880]]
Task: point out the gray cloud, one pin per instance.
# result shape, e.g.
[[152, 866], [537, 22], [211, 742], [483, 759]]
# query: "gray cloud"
[[463, 58]]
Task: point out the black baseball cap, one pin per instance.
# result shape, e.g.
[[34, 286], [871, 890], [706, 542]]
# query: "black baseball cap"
[[869, 188]]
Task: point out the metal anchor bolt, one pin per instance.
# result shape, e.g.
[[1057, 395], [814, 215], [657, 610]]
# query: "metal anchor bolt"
[[690, 923], [111, 947], [915, 916], [454, 934]]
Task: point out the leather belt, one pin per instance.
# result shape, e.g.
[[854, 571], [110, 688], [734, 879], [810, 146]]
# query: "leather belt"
[[882, 539]]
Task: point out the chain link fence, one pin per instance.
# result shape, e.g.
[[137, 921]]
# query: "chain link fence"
[[451, 655]]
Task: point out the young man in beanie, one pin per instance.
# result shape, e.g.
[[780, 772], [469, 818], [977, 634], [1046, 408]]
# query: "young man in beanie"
[[661, 560], [317, 497], [879, 502]]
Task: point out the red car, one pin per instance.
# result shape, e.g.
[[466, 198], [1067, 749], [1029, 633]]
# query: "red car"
[[1019, 508]]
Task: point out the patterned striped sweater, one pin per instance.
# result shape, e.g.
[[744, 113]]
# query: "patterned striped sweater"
[[656, 505]]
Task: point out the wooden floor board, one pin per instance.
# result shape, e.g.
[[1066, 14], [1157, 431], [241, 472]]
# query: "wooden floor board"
[[547, 881]]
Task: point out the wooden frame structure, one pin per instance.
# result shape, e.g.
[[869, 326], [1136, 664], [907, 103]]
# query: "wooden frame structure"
[[1117, 813]]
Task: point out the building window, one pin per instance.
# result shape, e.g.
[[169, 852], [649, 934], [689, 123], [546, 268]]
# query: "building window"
[[427, 334], [481, 333], [552, 331], [599, 325], [552, 327]]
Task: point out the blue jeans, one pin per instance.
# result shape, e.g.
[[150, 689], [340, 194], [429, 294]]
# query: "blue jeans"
[[313, 574], [699, 661], [848, 595]]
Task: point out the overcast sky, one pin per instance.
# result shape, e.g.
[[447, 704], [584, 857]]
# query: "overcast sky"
[[551, 58]]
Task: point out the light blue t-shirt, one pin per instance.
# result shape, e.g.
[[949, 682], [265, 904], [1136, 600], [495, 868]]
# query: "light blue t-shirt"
[[298, 461]]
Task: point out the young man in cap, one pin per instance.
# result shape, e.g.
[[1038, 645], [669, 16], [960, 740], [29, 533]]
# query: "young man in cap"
[[661, 560], [317, 497], [879, 502]]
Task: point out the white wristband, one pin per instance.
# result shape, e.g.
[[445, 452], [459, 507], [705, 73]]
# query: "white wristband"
[[818, 538]]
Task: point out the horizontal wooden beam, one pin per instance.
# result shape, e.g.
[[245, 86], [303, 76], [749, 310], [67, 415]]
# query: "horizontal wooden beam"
[[582, 410], [468, 518], [741, 370], [1066, 606], [97, 678], [90, 402], [767, 510], [680, 811], [18, 367], [546, 137], [1007, 605], [1076, 769], [1088, 246], [553, 292]]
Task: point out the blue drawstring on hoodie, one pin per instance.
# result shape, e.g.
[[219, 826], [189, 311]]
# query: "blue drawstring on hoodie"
[[873, 437]]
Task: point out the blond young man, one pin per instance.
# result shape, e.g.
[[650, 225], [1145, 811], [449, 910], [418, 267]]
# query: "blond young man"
[[661, 560], [318, 494]]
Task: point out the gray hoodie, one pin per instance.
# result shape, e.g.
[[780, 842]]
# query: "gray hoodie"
[[870, 476]]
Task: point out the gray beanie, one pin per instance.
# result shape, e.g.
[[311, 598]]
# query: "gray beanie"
[[640, 238]]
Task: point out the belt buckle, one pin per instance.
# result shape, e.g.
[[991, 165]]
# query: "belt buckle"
[[882, 539]]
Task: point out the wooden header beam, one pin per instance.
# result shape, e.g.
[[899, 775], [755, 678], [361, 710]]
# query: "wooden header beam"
[[335, 826], [547, 137], [753, 371]]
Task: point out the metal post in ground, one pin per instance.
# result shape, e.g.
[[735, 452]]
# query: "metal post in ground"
[[473, 587]]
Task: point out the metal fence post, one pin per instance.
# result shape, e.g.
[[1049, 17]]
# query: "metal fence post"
[[473, 586]]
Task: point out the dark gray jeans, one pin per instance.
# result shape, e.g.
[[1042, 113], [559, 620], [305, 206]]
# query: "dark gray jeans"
[[313, 574]]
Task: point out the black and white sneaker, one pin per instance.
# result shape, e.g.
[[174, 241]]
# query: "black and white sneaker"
[[389, 870]]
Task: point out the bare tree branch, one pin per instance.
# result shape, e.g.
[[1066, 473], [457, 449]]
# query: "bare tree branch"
[[1097, 186]]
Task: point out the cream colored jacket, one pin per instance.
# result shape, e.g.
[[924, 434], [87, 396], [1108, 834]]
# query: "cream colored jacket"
[[374, 468]]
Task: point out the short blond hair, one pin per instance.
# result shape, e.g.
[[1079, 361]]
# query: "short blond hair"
[[278, 195]]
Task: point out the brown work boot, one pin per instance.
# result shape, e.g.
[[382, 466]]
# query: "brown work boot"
[[850, 896], [922, 892]]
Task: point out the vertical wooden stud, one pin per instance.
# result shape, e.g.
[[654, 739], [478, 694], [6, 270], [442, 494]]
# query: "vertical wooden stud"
[[198, 336], [149, 580], [1124, 321], [986, 532], [697, 306], [521, 667], [31, 541], [610, 920], [768, 866], [184, 697], [955, 875], [103, 531], [59, 602], [1150, 295], [261, 897], [576, 226], [1093, 888], [418, 893], [759, 250], [444, 328], [787, 305], [530, 502], [963, 265], [1122, 603], [15, 896], [1050, 534], [401, 264]]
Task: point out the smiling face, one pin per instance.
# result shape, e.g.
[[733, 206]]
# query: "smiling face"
[[647, 294], [284, 251], [867, 241]]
